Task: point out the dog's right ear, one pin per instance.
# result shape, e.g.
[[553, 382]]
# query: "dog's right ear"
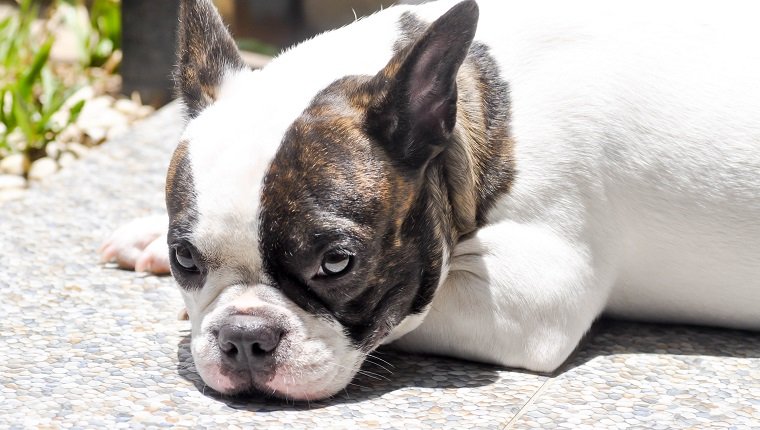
[[206, 53], [415, 107]]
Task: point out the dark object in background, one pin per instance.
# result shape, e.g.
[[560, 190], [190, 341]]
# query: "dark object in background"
[[284, 22], [278, 23], [149, 30]]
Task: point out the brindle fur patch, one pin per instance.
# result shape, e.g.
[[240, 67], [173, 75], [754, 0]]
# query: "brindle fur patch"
[[479, 164], [494, 162], [335, 184], [331, 186]]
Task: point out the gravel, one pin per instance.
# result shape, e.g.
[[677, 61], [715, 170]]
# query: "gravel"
[[103, 117]]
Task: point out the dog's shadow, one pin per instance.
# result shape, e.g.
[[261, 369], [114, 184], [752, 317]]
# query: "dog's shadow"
[[388, 370], [618, 337]]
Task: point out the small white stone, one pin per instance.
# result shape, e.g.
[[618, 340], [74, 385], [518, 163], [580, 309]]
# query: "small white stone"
[[16, 139], [42, 168], [96, 124], [127, 107], [72, 133], [96, 134], [145, 111], [100, 102], [53, 149], [84, 93], [77, 149], [11, 194], [9, 182], [116, 131], [66, 159], [98, 117], [14, 164]]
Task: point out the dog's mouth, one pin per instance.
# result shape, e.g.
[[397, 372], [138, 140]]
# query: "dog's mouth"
[[247, 385], [279, 384], [303, 369]]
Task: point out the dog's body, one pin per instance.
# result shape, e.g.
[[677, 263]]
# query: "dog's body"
[[591, 157]]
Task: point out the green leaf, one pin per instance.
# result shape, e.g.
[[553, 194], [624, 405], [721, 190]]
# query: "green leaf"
[[6, 38], [30, 77], [4, 23], [28, 12], [23, 120], [2, 107], [53, 105], [50, 85], [43, 125], [75, 110], [9, 44], [10, 119]]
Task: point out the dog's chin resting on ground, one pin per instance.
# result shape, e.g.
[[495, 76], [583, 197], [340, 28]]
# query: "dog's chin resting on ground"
[[479, 180]]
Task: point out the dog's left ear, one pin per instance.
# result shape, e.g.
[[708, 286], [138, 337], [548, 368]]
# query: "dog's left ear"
[[206, 53], [416, 109]]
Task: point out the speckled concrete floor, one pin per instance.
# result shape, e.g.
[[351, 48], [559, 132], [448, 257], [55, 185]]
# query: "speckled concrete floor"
[[88, 346]]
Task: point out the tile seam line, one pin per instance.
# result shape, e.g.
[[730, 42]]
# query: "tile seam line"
[[510, 424]]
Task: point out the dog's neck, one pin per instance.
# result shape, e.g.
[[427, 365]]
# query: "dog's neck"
[[478, 166]]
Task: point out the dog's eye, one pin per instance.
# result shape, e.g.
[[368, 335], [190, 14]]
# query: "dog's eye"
[[185, 258], [335, 263]]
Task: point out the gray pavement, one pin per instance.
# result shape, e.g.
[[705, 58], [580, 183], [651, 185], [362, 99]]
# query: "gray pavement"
[[88, 346]]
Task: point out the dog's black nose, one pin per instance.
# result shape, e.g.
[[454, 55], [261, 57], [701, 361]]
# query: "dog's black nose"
[[249, 341]]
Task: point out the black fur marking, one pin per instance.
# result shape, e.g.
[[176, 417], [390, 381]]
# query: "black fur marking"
[[183, 216], [205, 52]]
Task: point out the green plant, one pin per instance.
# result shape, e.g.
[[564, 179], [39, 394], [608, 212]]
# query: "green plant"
[[255, 45], [98, 29], [30, 92]]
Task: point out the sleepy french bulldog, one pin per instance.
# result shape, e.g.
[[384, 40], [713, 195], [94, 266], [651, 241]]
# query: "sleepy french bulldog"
[[476, 187]]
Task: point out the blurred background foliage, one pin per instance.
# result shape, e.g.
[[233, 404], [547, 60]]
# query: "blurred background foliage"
[[50, 49], [36, 89]]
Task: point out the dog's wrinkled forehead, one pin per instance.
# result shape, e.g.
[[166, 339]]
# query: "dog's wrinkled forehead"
[[311, 174], [326, 158], [214, 181], [327, 175]]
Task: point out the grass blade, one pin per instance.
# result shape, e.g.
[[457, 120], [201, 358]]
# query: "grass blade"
[[26, 85]]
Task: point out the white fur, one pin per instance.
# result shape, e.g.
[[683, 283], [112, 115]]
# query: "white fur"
[[637, 189]]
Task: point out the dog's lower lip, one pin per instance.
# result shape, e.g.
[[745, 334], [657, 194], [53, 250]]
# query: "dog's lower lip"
[[252, 389]]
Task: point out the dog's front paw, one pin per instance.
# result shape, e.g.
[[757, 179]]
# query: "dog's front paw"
[[139, 245]]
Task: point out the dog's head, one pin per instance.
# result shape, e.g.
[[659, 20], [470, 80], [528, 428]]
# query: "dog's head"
[[303, 230]]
